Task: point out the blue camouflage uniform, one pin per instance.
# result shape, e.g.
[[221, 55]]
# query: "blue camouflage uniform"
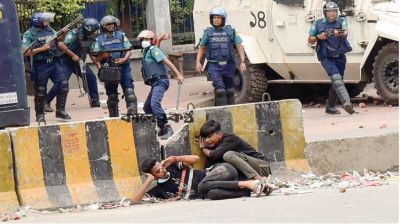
[[74, 41], [46, 65]]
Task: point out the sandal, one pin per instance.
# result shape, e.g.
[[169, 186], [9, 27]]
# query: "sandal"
[[258, 188], [268, 188]]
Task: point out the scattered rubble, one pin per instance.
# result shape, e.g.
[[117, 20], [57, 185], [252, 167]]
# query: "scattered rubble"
[[383, 126], [342, 182], [204, 93]]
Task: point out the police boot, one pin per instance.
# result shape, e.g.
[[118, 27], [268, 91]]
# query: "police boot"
[[94, 103], [341, 91], [220, 97], [330, 107], [230, 96], [40, 98], [165, 132], [62, 101], [131, 101], [47, 108], [112, 104]]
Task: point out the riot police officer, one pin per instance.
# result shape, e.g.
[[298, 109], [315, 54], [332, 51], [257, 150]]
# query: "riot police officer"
[[46, 64], [156, 75], [76, 46], [330, 33], [219, 42], [113, 39]]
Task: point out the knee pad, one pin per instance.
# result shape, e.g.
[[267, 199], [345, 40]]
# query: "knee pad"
[[220, 92], [130, 95], [41, 91], [337, 81]]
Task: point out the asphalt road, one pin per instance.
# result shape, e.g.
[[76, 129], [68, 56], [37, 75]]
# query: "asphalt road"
[[371, 204]]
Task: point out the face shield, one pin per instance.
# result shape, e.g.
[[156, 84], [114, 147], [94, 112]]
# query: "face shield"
[[47, 16]]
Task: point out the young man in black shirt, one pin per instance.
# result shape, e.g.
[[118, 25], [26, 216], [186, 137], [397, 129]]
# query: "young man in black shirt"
[[220, 147], [175, 180]]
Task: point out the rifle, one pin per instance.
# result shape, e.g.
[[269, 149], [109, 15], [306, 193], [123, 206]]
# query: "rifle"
[[111, 51], [58, 34]]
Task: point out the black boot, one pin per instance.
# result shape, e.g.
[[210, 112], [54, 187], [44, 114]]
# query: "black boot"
[[220, 97], [165, 132], [47, 108], [330, 107], [342, 93], [230, 96], [112, 104], [94, 103], [40, 98], [131, 102], [62, 101]]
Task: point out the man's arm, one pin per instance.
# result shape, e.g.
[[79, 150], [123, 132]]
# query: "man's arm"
[[187, 160], [64, 48], [227, 144], [36, 51], [314, 36], [124, 59], [242, 56], [164, 36], [199, 57], [172, 67], [138, 196]]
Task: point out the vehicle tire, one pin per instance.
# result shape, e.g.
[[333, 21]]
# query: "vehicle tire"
[[386, 73], [250, 85]]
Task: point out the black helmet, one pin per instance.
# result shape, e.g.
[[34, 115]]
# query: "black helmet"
[[331, 6], [90, 26]]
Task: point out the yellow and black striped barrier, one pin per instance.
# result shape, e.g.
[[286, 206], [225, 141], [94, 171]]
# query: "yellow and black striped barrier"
[[8, 196], [273, 128], [80, 163]]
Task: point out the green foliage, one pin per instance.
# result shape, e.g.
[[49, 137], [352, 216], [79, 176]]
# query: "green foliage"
[[65, 10], [178, 14]]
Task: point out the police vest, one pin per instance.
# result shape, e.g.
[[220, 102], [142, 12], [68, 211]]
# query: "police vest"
[[40, 36], [115, 42], [220, 44], [152, 72], [333, 45]]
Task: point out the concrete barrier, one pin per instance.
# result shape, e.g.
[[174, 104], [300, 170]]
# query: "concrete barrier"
[[80, 163], [378, 153], [8, 196], [273, 128]]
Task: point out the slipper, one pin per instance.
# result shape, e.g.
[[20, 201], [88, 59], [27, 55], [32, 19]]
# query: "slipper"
[[258, 188], [268, 189]]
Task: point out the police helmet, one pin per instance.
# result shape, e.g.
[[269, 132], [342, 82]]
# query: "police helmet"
[[218, 11], [109, 20], [38, 18], [90, 26], [331, 6]]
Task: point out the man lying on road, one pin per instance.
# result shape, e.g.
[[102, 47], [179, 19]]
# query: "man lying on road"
[[176, 179]]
